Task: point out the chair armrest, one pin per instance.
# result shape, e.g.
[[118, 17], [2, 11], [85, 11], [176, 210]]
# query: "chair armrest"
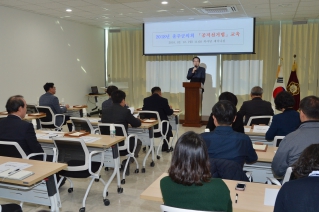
[[249, 175], [55, 155], [162, 124], [90, 160], [35, 154], [127, 140], [56, 115], [272, 180], [97, 131]]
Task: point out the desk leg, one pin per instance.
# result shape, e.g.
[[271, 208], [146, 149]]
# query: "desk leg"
[[116, 158], [52, 192], [151, 149]]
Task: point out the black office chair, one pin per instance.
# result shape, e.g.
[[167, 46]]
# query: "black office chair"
[[75, 153], [80, 124], [10, 208], [50, 121], [13, 149], [33, 109]]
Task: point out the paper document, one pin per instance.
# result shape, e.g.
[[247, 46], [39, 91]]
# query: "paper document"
[[247, 129], [13, 165], [260, 129], [89, 139], [149, 121], [259, 146], [135, 115], [51, 132], [270, 196], [94, 120], [48, 136]]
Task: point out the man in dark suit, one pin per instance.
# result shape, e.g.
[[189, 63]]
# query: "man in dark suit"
[[224, 142], [109, 91], [49, 100], [117, 113], [197, 73], [159, 104], [256, 107], [14, 129]]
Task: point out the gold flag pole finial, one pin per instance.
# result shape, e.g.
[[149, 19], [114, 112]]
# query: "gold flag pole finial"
[[294, 66]]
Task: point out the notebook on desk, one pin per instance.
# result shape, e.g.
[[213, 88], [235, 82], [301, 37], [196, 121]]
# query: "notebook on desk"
[[19, 175]]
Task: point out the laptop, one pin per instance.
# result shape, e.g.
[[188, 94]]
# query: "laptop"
[[95, 91]]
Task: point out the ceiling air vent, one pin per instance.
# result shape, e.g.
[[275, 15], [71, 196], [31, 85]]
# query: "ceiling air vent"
[[217, 10]]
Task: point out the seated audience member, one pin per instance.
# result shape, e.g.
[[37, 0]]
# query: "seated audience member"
[[189, 184], [13, 128], [118, 114], [294, 143], [49, 100], [286, 122], [157, 103], [238, 124], [109, 91], [224, 142], [256, 107], [301, 194]]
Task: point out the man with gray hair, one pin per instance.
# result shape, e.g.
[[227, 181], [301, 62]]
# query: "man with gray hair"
[[294, 143], [256, 107]]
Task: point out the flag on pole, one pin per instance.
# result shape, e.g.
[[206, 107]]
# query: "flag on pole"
[[293, 85], [279, 83]]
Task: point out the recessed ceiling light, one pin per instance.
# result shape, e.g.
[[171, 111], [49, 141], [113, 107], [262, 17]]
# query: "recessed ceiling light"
[[164, 2], [67, 16], [181, 9], [140, 12], [159, 11], [205, 2], [68, 10], [105, 9]]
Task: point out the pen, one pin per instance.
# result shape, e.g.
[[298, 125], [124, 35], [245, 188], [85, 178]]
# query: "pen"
[[13, 172], [236, 198]]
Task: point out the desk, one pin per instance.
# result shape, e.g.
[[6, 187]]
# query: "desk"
[[105, 143], [262, 168], [252, 199], [145, 134], [27, 117], [258, 137], [32, 188]]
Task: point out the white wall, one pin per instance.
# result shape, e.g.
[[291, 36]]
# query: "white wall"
[[211, 86], [36, 49]]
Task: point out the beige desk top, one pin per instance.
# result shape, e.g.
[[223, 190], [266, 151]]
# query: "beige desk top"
[[105, 142], [268, 155], [252, 199], [251, 133], [176, 113], [41, 170], [143, 126], [28, 118]]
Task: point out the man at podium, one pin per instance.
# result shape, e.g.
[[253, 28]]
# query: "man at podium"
[[196, 73]]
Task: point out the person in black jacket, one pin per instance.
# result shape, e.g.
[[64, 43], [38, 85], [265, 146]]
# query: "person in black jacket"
[[238, 124], [301, 194], [197, 73], [256, 107], [13, 128], [157, 103], [117, 113]]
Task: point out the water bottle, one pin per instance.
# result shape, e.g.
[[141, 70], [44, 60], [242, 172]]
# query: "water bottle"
[[112, 130]]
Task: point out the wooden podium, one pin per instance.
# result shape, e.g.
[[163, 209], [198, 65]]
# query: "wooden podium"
[[193, 104]]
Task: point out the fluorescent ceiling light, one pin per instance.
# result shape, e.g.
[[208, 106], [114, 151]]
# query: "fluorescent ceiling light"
[[68, 10]]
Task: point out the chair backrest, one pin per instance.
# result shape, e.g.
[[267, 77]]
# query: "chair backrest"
[[119, 128], [277, 140], [72, 151], [49, 119], [227, 169], [31, 109], [259, 120], [147, 114], [165, 208], [11, 149], [287, 175], [82, 124]]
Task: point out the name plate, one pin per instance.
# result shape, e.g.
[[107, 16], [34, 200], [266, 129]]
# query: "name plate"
[[260, 129]]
